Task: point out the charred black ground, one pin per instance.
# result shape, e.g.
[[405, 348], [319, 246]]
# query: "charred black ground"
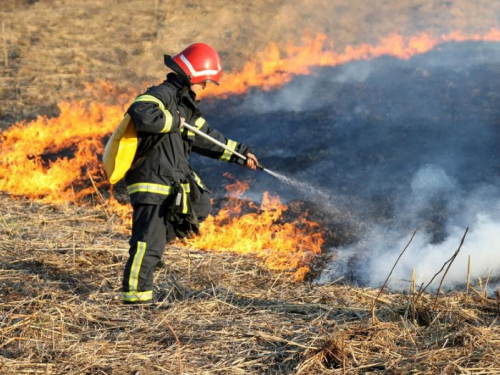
[[398, 145]]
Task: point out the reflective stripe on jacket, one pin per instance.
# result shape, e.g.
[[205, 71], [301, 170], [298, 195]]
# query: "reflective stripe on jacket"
[[156, 114]]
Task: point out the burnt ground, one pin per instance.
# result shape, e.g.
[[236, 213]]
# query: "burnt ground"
[[377, 149]]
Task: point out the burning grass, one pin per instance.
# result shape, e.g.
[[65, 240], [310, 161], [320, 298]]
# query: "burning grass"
[[217, 313]]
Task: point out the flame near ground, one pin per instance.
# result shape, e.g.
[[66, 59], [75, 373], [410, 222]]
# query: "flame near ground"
[[57, 160]]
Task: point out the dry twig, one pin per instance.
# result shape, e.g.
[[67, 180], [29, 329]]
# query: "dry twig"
[[390, 273], [449, 265]]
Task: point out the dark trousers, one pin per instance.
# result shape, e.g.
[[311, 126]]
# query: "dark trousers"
[[151, 231]]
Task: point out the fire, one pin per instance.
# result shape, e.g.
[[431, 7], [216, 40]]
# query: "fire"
[[275, 66], [282, 246], [54, 159], [57, 159]]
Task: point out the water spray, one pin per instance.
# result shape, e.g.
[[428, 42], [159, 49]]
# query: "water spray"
[[313, 193], [220, 144]]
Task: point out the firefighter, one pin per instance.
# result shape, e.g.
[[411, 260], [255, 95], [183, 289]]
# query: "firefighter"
[[168, 198]]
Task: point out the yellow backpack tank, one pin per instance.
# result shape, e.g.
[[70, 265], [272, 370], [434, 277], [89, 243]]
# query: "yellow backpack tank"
[[120, 150]]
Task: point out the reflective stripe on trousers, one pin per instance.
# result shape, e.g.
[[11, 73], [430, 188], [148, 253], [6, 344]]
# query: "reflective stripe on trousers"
[[133, 294]]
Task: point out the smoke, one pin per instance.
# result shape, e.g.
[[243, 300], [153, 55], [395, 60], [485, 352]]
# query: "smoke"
[[397, 146], [375, 255], [300, 94], [294, 96]]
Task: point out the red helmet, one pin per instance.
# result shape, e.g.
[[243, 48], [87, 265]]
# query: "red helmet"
[[200, 62]]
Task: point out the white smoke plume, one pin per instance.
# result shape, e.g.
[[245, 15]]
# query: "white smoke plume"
[[378, 252]]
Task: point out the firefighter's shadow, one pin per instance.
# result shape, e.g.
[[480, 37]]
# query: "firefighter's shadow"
[[172, 287], [229, 312], [172, 290]]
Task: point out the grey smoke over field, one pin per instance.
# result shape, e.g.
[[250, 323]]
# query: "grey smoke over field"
[[378, 251], [396, 146]]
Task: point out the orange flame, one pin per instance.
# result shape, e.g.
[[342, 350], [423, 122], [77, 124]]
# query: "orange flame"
[[282, 246], [273, 67], [54, 159], [57, 159]]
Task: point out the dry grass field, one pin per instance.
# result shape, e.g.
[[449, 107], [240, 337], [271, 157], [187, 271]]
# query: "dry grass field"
[[218, 313], [61, 265], [50, 47]]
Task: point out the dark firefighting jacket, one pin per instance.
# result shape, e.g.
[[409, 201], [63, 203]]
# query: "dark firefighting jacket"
[[165, 171]]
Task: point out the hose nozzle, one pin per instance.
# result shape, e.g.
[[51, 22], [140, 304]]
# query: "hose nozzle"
[[260, 167]]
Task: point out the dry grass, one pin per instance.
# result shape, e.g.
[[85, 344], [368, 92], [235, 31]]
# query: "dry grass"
[[61, 266], [61, 312], [49, 48]]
